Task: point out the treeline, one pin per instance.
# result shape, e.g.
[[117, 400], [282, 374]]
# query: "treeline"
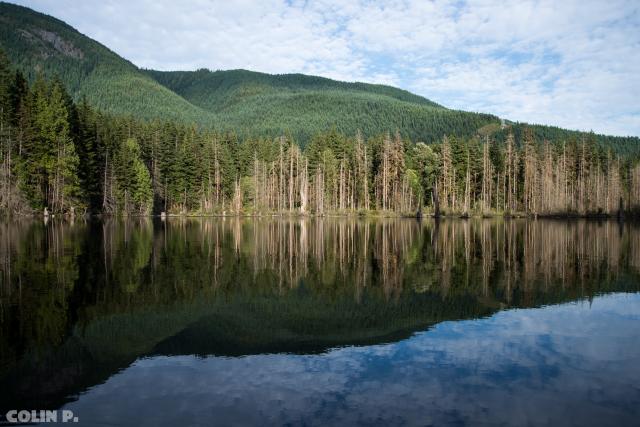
[[66, 157], [623, 145]]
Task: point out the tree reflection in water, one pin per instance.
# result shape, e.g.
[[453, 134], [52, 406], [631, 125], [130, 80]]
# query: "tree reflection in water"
[[80, 301]]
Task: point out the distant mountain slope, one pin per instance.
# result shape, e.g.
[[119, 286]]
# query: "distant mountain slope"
[[261, 103], [214, 90], [246, 102], [39, 43], [242, 101]]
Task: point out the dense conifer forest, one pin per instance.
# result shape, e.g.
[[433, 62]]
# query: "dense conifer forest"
[[66, 157], [83, 130]]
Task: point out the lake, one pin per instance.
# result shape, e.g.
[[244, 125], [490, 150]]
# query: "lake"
[[262, 321]]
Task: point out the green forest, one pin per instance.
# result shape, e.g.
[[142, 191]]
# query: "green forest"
[[64, 157]]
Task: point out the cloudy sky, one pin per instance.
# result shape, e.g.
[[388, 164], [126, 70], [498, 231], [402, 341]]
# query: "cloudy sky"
[[571, 63]]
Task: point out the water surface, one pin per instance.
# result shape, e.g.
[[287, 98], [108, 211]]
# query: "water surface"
[[322, 322]]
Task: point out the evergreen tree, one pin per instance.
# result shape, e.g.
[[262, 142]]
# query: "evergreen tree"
[[133, 180]]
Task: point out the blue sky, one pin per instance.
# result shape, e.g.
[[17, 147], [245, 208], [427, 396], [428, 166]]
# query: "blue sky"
[[570, 63]]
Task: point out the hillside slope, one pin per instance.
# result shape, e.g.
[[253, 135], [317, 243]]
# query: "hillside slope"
[[40, 44], [243, 101], [248, 103], [259, 103], [214, 90]]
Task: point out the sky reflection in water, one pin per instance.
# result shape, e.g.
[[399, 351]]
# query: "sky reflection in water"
[[571, 364]]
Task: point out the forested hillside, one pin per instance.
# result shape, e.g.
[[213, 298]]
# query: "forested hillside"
[[248, 104], [64, 157], [39, 44], [254, 104]]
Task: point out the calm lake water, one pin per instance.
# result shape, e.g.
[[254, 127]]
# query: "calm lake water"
[[322, 321]]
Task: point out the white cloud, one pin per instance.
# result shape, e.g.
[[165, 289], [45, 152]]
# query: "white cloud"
[[572, 63]]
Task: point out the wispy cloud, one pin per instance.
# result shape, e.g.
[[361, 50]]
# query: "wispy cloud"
[[574, 63]]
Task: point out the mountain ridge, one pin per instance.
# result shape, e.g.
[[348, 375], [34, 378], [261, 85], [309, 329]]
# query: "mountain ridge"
[[249, 103], [284, 80], [261, 105], [32, 40]]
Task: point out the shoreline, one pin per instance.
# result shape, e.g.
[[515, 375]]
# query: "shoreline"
[[338, 214]]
